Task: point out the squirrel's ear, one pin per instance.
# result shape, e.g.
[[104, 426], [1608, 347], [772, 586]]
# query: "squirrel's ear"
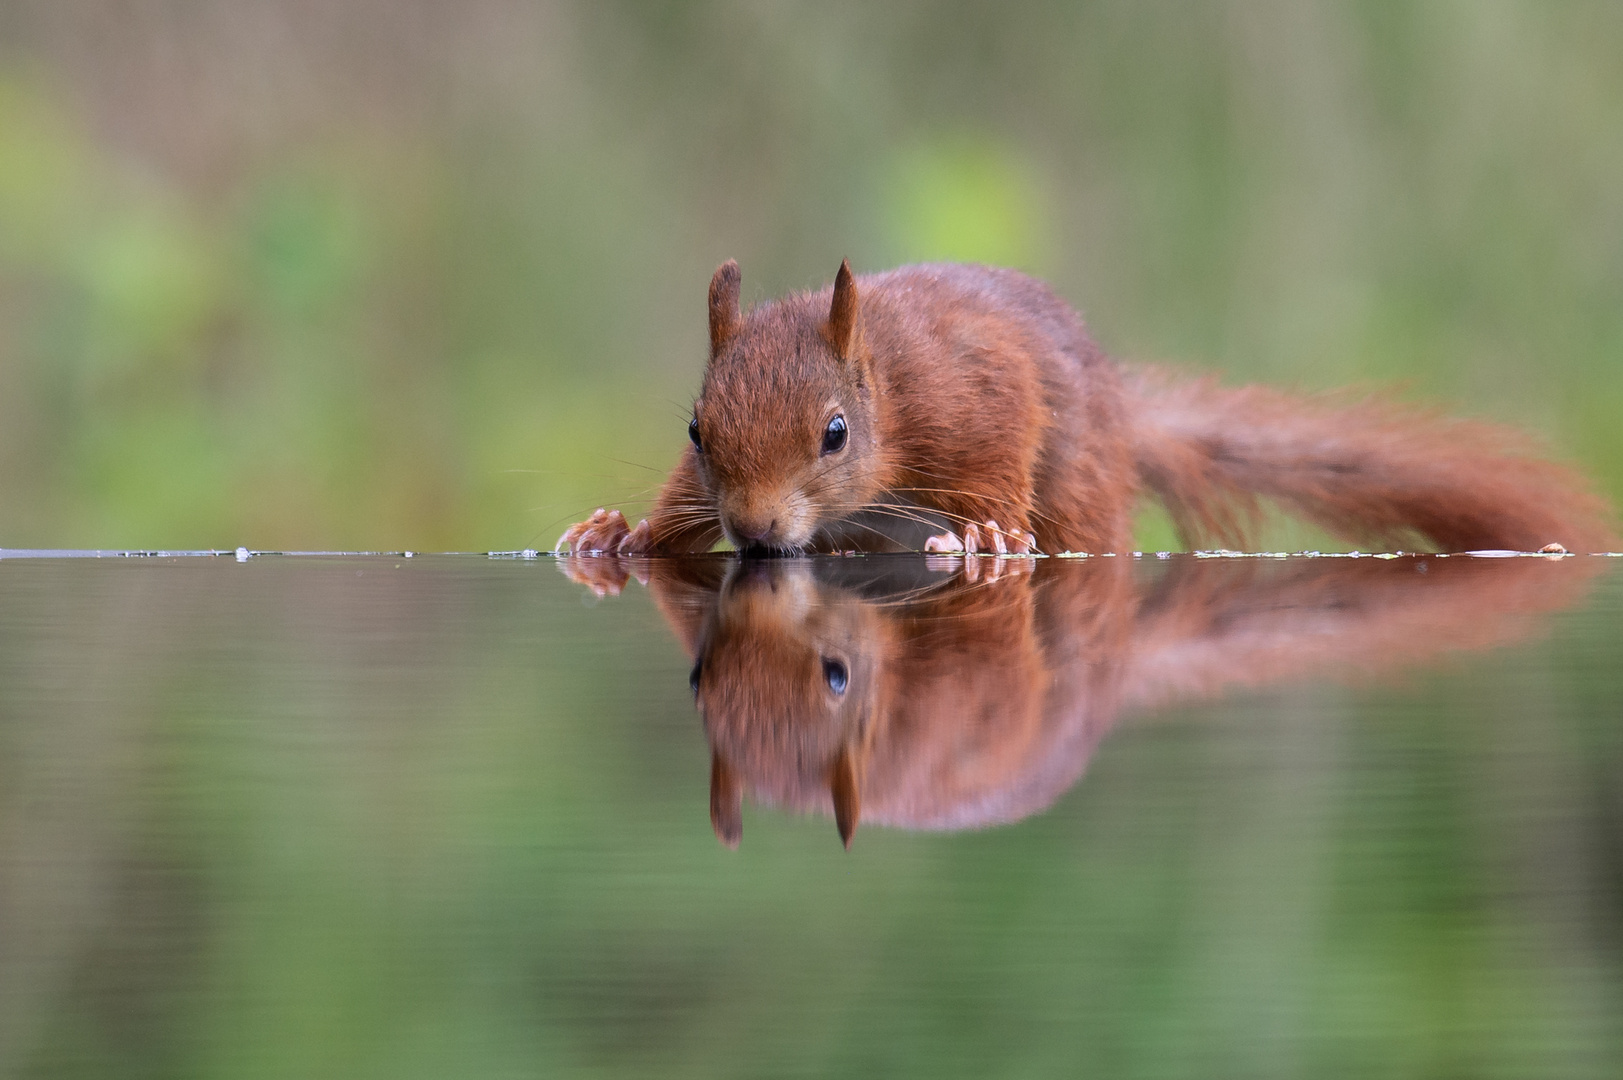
[[726, 801], [842, 784], [842, 315], [724, 314]]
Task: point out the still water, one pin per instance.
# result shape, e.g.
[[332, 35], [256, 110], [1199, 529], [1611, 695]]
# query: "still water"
[[462, 816]]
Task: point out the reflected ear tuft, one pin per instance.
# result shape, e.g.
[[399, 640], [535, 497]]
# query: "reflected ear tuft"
[[843, 314], [725, 317], [726, 801], [843, 785]]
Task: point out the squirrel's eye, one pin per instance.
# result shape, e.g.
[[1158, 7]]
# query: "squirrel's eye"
[[834, 435], [835, 675], [693, 434], [695, 675]]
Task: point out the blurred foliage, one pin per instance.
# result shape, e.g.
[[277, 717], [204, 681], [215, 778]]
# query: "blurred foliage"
[[431, 276], [967, 201]]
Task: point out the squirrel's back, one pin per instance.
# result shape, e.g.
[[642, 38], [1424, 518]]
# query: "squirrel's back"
[[988, 369], [1366, 468]]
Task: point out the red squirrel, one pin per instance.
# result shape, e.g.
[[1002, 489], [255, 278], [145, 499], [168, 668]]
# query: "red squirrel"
[[964, 408]]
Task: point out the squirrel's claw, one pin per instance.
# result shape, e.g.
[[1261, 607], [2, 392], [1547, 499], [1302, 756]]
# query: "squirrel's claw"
[[638, 540], [990, 538], [986, 538]]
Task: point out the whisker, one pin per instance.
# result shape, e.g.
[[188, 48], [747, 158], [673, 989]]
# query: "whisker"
[[1030, 512], [638, 465], [889, 511], [913, 514]]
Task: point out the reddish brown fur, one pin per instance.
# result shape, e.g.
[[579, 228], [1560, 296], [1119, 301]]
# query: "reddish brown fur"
[[974, 395], [1362, 468]]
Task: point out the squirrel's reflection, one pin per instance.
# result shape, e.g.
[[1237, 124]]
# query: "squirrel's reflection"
[[895, 690]]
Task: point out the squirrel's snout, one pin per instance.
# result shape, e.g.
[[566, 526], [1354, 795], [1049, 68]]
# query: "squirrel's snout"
[[764, 523], [749, 532]]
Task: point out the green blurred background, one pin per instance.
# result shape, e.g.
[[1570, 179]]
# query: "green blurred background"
[[410, 274]]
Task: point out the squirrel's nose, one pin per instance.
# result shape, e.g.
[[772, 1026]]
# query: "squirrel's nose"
[[755, 531]]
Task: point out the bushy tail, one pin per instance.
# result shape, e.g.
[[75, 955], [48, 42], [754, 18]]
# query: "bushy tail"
[[1367, 469]]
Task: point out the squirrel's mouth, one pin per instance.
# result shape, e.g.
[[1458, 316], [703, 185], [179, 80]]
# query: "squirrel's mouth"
[[770, 551], [775, 541]]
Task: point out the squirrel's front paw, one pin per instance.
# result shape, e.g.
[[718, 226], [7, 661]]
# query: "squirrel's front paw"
[[985, 539], [604, 533]]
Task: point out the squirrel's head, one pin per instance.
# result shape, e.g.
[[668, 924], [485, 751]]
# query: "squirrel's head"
[[784, 430]]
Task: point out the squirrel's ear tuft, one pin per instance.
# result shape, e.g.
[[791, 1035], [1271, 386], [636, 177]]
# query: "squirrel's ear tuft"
[[843, 314], [724, 313], [726, 801], [843, 785]]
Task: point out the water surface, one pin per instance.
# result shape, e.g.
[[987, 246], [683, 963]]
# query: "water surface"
[[379, 816]]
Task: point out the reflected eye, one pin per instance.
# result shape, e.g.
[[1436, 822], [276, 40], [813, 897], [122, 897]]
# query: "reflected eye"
[[834, 674], [693, 434], [834, 435], [693, 676]]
